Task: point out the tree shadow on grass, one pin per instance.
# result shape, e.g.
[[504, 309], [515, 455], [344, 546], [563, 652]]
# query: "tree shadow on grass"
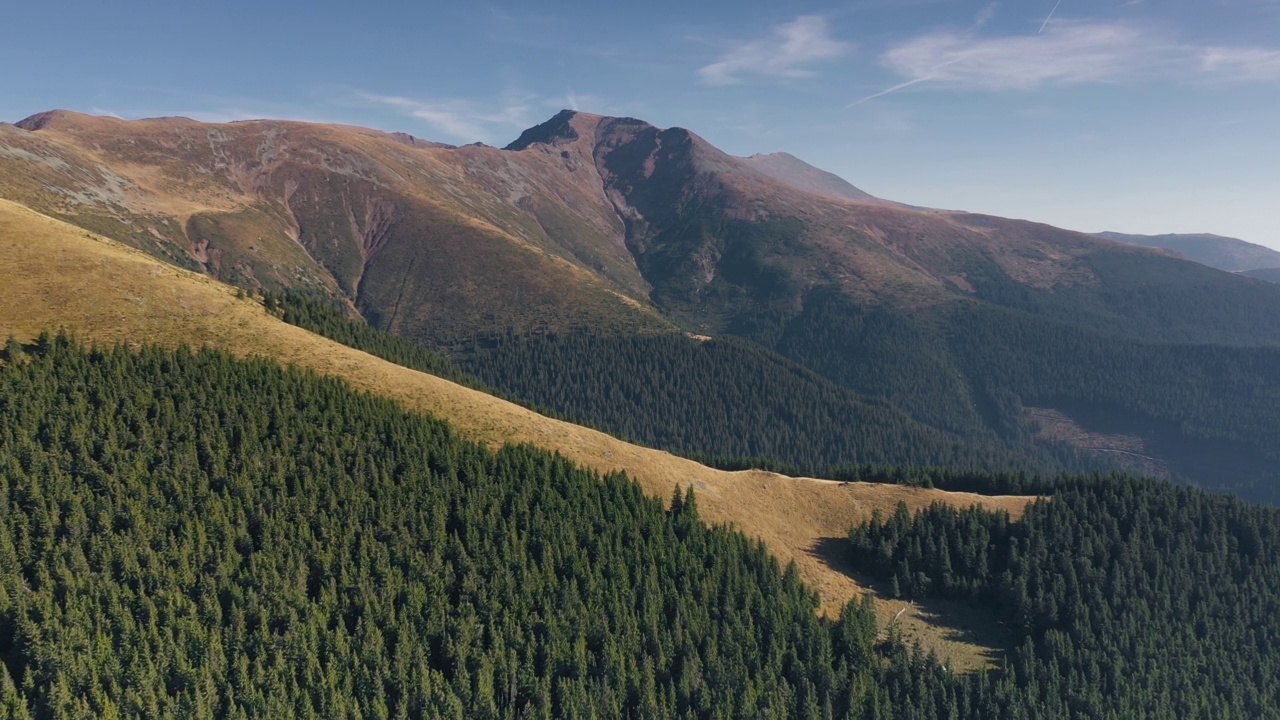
[[967, 628]]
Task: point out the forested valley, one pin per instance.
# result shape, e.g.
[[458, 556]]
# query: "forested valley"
[[844, 388], [726, 402]]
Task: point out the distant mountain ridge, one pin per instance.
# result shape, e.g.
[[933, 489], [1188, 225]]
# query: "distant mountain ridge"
[[797, 173], [1268, 274], [1224, 253]]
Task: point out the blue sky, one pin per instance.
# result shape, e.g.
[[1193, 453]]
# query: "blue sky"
[[1133, 116]]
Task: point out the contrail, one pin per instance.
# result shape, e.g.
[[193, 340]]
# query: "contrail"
[[1047, 19], [882, 93]]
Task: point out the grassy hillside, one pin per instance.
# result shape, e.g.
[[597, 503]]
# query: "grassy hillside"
[[56, 275], [589, 221]]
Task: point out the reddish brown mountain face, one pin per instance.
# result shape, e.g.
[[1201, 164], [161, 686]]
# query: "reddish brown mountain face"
[[583, 221], [417, 234]]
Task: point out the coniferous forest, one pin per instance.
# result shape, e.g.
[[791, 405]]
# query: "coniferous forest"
[[726, 398], [190, 535], [1133, 598], [725, 402], [848, 388], [889, 393], [186, 535]]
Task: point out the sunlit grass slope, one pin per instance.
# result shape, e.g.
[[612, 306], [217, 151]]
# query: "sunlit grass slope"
[[54, 275]]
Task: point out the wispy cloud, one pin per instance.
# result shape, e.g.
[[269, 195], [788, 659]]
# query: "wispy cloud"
[[788, 52], [576, 101], [462, 120], [985, 15], [1067, 53], [1242, 63]]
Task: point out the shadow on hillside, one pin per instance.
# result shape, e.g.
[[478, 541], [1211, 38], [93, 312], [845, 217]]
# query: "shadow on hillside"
[[9, 348], [984, 636], [1218, 464]]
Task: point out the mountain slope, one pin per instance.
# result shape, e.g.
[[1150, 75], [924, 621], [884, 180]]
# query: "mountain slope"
[[799, 174], [727, 248], [728, 400], [615, 227], [57, 275], [1224, 253], [416, 235], [588, 221], [186, 534]]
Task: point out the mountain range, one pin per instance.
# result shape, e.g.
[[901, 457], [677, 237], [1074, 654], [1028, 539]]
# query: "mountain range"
[[1224, 253], [591, 219], [321, 421], [999, 344]]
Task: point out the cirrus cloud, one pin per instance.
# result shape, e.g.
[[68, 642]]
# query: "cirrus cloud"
[[463, 120], [787, 53], [1067, 53], [1246, 63]]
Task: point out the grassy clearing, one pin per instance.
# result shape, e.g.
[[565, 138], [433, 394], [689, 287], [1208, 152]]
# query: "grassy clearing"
[[56, 275]]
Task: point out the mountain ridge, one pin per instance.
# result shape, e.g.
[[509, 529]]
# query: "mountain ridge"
[[796, 172], [1218, 251], [615, 226], [588, 203]]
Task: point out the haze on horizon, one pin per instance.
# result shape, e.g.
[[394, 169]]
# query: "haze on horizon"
[[1129, 116]]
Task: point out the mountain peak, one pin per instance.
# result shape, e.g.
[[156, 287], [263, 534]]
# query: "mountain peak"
[[556, 131], [50, 118], [789, 169], [565, 127]]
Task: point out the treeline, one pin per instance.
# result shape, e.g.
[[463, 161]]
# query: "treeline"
[[323, 315], [1133, 598], [1148, 298]]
